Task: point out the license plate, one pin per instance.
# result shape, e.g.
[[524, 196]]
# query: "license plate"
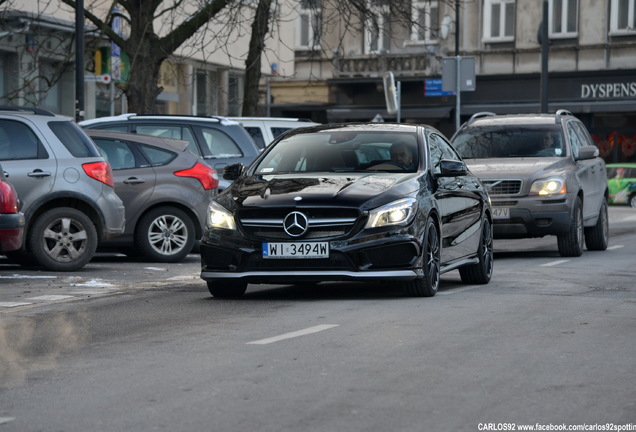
[[296, 250], [500, 213]]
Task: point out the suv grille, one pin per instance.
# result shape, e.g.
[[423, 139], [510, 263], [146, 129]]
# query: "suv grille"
[[502, 187], [321, 223]]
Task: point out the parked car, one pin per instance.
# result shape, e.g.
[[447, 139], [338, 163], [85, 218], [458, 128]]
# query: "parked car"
[[166, 191], [328, 203], [621, 181], [64, 184], [544, 177], [217, 140], [263, 130], [11, 218]]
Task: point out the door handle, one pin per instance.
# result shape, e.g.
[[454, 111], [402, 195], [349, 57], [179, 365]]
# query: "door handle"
[[134, 180], [39, 173]]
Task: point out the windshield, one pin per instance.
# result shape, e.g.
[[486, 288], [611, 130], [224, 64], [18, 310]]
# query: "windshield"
[[342, 151], [509, 142]]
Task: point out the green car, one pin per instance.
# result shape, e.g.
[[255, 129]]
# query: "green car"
[[621, 182]]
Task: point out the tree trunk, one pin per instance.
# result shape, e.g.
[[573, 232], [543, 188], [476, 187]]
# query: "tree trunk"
[[260, 28]]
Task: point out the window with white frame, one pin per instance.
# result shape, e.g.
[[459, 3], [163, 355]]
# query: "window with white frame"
[[377, 31], [308, 24], [563, 18], [425, 21], [499, 20], [623, 17]]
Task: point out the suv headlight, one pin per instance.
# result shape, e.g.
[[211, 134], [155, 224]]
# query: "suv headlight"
[[219, 217], [551, 186], [399, 212]]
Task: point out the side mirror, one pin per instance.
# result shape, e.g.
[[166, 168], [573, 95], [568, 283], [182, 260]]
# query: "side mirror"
[[587, 152], [234, 171], [452, 168]]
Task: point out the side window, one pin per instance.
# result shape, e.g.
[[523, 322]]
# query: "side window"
[[575, 140], [17, 142], [75, 141], [117, 153], [157, 156], [440, 149], [174, 132], [278, 130], [257, 135], [219, 145]]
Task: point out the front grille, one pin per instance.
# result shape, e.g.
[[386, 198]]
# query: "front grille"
[[323, 223], [502, 187]]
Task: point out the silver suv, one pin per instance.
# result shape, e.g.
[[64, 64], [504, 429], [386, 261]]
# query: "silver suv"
[[65, 187], [543, 175]]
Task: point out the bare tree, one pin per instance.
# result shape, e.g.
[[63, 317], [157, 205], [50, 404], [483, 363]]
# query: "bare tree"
[[145, 47]]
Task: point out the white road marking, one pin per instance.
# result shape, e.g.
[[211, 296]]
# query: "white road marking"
[[51, 297], [6, 419], [615, 247], [19, 276], [553, 263], [298, 333], [93, 283], [630, 218], [13, 304]]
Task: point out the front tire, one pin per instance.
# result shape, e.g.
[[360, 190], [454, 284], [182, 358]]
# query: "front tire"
[[63, 239], [428, 285], [597, 237], [227, 289], [165, 234], [571, 243], [481, 272]]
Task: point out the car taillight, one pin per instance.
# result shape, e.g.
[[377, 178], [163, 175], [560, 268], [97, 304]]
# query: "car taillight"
[[100, 171], [8, 198], [207, 176]]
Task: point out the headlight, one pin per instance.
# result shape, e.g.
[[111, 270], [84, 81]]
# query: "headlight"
[[219, 217], [399, 212], [551, 186]]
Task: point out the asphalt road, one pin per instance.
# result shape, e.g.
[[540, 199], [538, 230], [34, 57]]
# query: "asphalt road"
[[133, 346]]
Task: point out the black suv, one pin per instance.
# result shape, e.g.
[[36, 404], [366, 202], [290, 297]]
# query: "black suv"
[[543, 174], [65, 187], [217, 140]]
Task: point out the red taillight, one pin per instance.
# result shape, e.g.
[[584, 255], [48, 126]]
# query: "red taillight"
[[8, 198], [100, 171], [206, 175]]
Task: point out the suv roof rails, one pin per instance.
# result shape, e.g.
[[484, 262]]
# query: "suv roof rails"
[[559, 113], [34, 110], [479, 115]]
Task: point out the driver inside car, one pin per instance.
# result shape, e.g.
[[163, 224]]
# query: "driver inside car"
[[402, 154]]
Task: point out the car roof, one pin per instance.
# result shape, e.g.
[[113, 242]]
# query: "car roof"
[[379, 127], [159, 117], [491, 119], [167, 143]]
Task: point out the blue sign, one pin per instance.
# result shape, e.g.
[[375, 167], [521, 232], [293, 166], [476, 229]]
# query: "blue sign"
[[433, 87]]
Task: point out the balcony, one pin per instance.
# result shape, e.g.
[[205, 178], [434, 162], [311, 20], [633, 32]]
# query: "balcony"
[[374, 65]]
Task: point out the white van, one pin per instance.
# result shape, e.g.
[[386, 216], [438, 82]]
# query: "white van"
[[264, 129]]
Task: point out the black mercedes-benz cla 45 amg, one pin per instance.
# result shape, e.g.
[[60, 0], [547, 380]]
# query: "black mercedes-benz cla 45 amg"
[[370, 202]]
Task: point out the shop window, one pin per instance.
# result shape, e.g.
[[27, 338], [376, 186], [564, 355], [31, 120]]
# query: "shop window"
[[623, 17], [308, 25], [499, 20], [563, 18], [425, 22]]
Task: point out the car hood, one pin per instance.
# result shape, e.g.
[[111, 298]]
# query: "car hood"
[[362, 190], [517, 167]]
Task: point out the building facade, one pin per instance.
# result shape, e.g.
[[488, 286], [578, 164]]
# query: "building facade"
[[591, 64]]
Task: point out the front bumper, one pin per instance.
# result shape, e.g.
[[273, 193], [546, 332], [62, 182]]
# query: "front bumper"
[[393, 256], [533, 217]]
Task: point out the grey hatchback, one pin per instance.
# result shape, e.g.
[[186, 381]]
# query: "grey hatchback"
[[544, 177], [218, 141], [64, 184], [166, 191]]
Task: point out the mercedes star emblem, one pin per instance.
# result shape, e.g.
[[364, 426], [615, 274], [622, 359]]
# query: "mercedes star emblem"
[[295, 224]]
